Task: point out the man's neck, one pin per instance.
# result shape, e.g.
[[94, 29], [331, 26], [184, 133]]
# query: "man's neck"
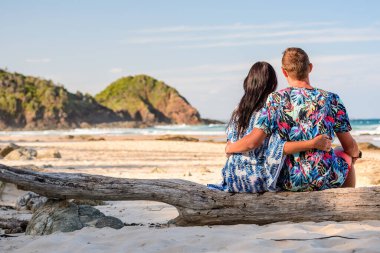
[[300, 83]]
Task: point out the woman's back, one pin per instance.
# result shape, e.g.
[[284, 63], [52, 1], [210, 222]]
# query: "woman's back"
[[256, 170], [253, 171]]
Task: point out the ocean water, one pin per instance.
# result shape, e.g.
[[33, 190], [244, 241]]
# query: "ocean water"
[[364, 130]]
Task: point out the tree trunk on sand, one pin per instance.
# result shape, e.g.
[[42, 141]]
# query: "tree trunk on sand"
[[198, 205], [12, 226]]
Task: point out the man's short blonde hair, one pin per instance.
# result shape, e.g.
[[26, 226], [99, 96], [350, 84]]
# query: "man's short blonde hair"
[[296, 63]]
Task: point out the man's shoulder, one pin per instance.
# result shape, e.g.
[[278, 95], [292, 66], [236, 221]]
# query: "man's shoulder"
[[328, 94], [331, 98], [284, 90], [287, 94], [280, 93]]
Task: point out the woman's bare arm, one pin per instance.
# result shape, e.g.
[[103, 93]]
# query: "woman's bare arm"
[[321, 142], [256, 137], [251, 141]]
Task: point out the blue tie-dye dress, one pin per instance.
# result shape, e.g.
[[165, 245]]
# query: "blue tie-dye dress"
[[253, 171]]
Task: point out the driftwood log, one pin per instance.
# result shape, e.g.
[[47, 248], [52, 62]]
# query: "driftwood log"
[[12, 226], [198, 205]]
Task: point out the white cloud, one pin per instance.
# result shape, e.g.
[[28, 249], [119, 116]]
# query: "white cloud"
[[236, 35], [207, 73], [116, 70], [319, 39], [236, 26], [215, 88], [38, 60], [205, 69], [228, 36]]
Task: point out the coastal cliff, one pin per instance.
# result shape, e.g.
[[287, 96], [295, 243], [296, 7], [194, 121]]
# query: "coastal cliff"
[[33, 103], [28, 102], [143, 98]]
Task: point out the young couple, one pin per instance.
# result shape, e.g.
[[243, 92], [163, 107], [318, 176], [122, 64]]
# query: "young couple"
[[282, 140]]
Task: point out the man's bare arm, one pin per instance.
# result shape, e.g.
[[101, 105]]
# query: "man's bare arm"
[[349, 145]]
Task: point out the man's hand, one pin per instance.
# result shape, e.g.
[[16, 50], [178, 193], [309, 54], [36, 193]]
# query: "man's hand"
[[322, 142]]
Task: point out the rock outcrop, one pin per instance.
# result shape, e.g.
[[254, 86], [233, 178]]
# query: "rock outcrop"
[[8, 149], [15, 152], [30, 201], [177, 138], [48, 153], [34, 103], [22, 154], [64, 216], [143, 98], [28, 102]]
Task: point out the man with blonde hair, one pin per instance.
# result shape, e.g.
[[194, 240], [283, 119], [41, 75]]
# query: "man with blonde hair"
[[301, 112]]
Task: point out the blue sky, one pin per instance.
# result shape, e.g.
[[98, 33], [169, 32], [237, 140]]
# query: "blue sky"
[[202, 48]]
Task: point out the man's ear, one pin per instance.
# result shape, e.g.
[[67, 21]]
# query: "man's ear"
[[284, 72], [310, 67]]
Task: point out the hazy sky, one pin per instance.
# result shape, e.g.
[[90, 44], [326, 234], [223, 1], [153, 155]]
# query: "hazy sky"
[[202, 48]]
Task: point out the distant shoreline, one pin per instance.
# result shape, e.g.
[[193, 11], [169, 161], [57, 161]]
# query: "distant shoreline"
[[111, 125], [364, 131], [144, 125]]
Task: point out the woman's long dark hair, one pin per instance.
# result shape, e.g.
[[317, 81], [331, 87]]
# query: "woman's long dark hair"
[[259, 83]]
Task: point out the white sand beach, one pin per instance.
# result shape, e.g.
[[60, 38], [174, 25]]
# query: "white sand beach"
[[200, 162]]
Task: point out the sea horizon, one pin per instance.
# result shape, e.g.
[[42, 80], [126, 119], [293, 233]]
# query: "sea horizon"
[[364, 130]]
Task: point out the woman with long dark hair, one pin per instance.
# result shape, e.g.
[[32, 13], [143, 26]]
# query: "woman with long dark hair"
[[257, 170]]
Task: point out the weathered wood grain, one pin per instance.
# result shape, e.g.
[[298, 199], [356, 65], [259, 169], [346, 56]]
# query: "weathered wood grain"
[[198, 205], [12, 226]]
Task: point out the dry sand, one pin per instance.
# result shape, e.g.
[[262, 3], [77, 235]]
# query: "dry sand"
[[196, 161]]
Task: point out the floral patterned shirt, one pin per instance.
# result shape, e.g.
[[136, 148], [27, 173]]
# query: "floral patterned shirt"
[[253, 171], [299, 114]]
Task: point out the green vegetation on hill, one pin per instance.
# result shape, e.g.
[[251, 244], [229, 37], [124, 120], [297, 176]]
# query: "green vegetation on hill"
[[34, 103], [31, 102], [133, 92], [146, 99]]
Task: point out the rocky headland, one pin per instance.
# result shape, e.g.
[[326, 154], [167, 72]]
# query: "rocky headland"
[[28, 102]]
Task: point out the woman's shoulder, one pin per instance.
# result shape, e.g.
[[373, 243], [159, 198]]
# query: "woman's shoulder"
[[232, 131], [252, 122]]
